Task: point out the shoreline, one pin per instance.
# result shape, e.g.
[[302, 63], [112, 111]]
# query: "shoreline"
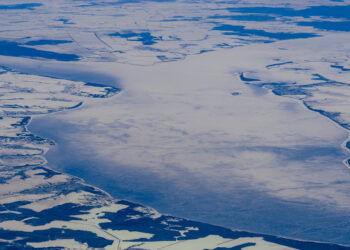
[[188, 219], [170, 213], [50, 173]]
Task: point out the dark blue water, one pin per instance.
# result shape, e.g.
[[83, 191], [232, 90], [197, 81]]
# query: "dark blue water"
[[22, 6], [14, 49], [269, 13], [322, 11], [246, 79], [277, 64], [342, 68], [121, 220], [330, 26], [46, 42], [144, 37], [240, 30], [255, 18]]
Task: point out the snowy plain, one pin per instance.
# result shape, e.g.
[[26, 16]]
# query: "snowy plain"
[[234, 113]]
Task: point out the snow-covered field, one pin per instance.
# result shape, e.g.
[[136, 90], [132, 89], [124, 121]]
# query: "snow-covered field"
[[230, 113]]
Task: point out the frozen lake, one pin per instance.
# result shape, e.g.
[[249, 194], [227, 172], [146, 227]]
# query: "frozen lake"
[[233, 113], [212, 157]]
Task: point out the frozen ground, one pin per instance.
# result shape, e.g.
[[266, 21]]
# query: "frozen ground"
[[198, 140], [230, 113]]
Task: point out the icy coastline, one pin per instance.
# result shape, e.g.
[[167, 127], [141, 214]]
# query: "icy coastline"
[[226, 102]]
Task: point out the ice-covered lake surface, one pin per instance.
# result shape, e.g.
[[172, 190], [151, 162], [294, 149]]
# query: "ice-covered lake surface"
[[231, 113]]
